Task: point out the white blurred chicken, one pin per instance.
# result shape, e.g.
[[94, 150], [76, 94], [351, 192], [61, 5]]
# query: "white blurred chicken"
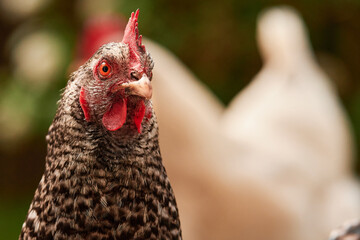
[[285, 136], [290, 115]]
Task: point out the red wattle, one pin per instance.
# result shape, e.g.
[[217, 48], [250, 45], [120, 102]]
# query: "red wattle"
[[115, 117], [139, 115], [84, 105]]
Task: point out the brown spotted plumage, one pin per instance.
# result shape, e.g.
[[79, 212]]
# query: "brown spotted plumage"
[[104, 177]]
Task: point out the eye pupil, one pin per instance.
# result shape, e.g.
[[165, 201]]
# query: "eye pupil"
[[105, 69]]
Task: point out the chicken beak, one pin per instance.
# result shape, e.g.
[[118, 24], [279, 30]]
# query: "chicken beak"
[[141, 88]]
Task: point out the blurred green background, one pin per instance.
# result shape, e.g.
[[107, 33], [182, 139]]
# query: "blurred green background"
[[215, 39]]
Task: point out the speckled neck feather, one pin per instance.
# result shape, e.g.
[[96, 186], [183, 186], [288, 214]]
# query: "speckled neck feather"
[[101, 185]]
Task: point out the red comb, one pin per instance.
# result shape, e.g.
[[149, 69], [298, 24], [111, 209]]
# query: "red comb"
[[131, 34]]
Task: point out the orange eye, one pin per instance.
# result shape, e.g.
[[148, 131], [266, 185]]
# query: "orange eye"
[[104, 69]]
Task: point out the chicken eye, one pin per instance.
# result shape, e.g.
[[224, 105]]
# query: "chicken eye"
[[104, 69]]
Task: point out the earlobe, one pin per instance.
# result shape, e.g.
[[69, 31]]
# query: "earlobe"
[[84, 105]]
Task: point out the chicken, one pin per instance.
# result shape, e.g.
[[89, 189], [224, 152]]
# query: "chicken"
[[271, 137], [290, 117], [104, 176]]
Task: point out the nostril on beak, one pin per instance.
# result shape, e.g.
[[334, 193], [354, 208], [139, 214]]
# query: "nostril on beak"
[[135, 75], [141, 87]]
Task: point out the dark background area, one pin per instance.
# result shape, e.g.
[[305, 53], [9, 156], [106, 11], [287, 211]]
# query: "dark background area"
[[215, 39]]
